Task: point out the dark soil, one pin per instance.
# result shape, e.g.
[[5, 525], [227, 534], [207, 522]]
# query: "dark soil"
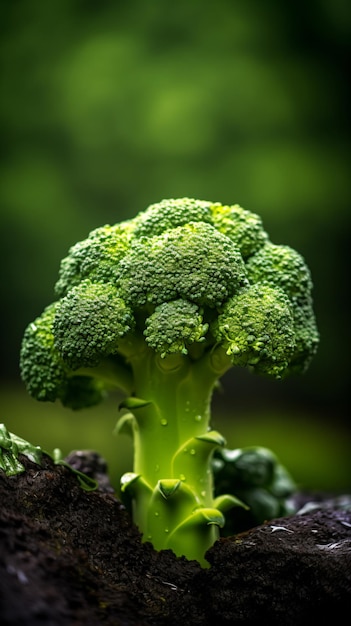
[[68, 557]]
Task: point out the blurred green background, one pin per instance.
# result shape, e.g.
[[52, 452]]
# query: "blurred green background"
[[109, 106]]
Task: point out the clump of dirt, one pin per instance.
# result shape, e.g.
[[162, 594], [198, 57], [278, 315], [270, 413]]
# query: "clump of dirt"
[[70, 557]]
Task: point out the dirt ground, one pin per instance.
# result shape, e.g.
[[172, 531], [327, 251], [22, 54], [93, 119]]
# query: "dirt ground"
[[70, 557]]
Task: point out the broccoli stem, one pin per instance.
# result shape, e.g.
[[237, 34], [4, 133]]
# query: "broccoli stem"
[[171, 484], [111, 371]]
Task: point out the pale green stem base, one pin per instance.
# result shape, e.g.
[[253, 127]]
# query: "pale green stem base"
[[171, 484]]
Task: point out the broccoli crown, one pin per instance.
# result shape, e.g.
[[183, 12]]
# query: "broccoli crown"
[[193, 262], [184, 276]]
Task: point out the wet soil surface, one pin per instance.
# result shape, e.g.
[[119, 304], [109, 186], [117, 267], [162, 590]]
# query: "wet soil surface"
[[70, 557]]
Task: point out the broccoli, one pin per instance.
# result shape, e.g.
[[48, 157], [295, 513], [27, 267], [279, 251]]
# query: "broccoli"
[[161, 306], [259, 480]]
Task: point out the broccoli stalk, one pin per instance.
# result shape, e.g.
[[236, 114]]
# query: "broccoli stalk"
[[173, 445], [161, 306]]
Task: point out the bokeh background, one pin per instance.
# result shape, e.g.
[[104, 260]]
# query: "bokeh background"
[[109, 106]]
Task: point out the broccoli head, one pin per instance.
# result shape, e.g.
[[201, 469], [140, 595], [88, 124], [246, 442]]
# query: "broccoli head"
[[160, 306]]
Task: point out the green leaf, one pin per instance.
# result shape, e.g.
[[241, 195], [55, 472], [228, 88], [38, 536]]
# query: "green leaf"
[[10, 464], [5, 438], [226, 502], [133, 403], [214, 437], [10, 447], [128, 479], [201, 517], [168, 486]]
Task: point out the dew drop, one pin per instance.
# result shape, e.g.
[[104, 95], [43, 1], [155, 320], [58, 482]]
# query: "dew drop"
[[192, 451], [157, 468], [157, 514], [182, 477], [164, 422], [198, 418]]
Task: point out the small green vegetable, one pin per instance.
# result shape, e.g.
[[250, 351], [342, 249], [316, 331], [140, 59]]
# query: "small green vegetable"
[[161, 306], [11, 446], [259, 480]]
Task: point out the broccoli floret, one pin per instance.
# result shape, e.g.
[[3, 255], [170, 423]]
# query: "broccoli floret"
[[256, 328], [168, 214], [161, 306], [95, 257], [89, 324], [244, 228], [281, 266], [174, 326], [46, 374], [42, 367], [284, 268], [193, 262], [306, 336]]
